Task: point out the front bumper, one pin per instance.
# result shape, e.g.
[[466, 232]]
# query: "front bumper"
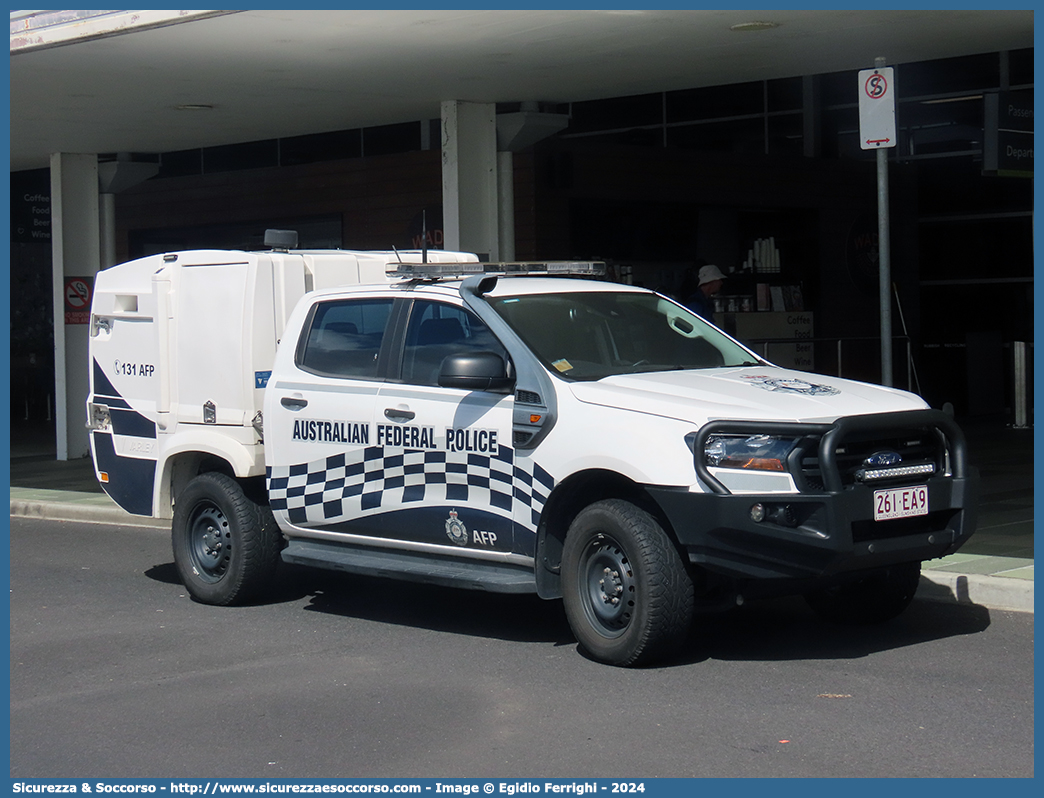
[[832, 533], [830, 530]]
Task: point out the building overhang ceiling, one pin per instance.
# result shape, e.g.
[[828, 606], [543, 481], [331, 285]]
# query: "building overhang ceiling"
[[198, 79]]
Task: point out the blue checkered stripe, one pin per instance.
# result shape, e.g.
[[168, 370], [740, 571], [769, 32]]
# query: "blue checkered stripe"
[[369, 479]]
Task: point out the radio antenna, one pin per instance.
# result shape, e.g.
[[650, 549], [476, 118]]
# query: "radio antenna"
[[424, 236]]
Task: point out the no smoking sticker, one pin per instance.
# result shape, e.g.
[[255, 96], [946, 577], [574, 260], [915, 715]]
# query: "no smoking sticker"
[[77, 300]]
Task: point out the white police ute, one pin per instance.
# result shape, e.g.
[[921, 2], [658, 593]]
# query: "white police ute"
[[519, 428]]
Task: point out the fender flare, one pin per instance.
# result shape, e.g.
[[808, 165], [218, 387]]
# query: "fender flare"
[[245, 460]]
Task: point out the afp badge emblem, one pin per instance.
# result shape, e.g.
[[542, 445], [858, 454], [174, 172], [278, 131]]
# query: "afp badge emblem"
[[787, 385], [456, 530]]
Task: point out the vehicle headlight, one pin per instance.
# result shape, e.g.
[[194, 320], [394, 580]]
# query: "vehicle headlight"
[[754, 452]]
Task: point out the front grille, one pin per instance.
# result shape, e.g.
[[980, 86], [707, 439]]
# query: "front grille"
[[917, 450], [810, 478]]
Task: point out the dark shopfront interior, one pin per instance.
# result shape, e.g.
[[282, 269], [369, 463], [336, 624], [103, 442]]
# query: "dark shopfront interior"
[[655, 185]]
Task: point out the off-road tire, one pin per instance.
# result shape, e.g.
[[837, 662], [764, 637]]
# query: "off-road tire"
[[627, 595], [872, 597], [226, 546]]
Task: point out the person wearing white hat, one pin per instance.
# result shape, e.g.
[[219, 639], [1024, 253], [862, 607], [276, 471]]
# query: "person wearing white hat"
[[710, 282]]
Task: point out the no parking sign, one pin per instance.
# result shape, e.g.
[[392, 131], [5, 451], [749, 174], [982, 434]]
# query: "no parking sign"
[[876, 108], [78, 299]]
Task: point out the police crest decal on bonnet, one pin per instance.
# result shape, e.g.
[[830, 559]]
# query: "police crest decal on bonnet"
[[793, 386]]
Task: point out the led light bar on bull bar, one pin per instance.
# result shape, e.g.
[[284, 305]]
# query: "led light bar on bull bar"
[[869, 475], [446, 271]]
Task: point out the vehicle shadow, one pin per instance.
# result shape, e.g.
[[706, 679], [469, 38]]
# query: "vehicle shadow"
[[166, 573], [776, 629], [782, 629], [520, 618]]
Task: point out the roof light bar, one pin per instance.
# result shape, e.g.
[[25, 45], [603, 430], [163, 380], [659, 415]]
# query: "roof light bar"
[[432, 271], [447, 271]]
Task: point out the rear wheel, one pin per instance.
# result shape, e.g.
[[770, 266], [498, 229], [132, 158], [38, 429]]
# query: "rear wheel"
[[226, 546], [627, 594], [871, 597]]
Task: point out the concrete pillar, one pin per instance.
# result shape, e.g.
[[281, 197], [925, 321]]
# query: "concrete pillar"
[[517, 131], [114, 177], [75, 253], [469, 178], [506, 205], [107, 230]]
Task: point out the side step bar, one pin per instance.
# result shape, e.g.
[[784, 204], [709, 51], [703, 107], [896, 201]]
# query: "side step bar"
[[474, 575]]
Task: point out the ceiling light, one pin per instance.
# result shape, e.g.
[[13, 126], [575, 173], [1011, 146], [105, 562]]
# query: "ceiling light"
[[745, 26], [194, 107]]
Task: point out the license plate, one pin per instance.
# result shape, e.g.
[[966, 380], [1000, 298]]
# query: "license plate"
[[900, 503]]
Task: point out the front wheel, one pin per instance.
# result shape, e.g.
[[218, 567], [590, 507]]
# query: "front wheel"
[[871, 597], [226, 546], [627, 594]]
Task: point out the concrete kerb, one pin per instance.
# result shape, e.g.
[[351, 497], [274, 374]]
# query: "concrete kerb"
[[992, 592], [87, 513]]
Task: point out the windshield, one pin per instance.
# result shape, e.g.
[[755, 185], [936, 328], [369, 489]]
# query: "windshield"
[[591, 335]]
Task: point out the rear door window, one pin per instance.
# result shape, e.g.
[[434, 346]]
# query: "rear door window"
[[344, 338]]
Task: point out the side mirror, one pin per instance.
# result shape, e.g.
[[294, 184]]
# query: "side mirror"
[[476, 371]]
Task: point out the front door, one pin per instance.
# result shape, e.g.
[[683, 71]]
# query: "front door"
[[450, 449]]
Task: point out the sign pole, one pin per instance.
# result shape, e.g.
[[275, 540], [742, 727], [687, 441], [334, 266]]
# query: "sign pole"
[[877, 132], [885, 278]]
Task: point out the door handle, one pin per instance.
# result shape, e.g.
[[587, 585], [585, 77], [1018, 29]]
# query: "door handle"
[[293, 403], [399, 415]]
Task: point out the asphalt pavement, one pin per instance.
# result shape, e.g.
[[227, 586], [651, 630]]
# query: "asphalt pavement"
[[116, 673]]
